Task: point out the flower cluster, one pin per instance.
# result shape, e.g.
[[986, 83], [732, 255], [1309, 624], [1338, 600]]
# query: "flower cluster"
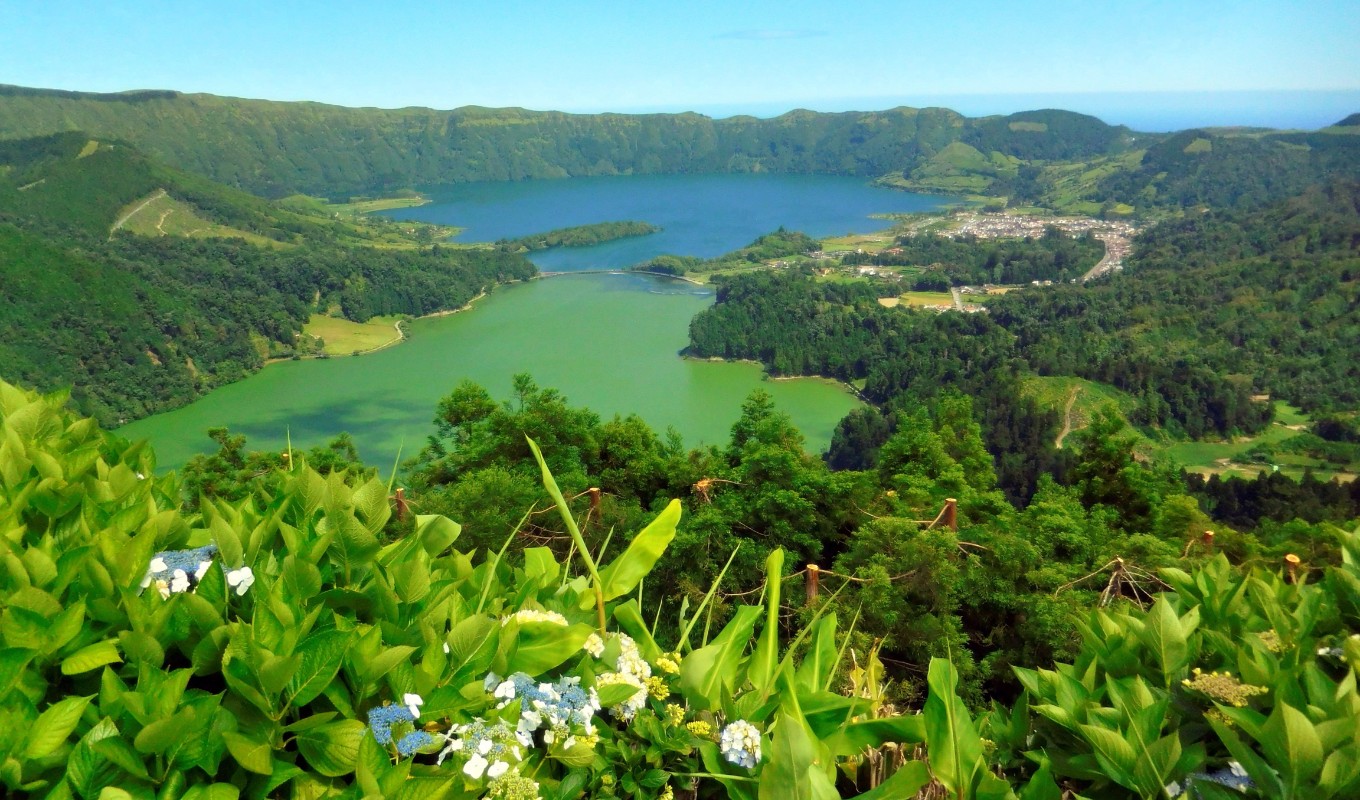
[[1271, 639], [381, 720], [177, 571], [490, 750], [564, 711], [594, 645], [513, 786], [631, 670], [1223, 687], [740, 744], [533, 615]]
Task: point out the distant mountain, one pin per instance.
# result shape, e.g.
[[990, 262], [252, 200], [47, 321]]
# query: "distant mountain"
[[275, 148], [141, 286], [1352, 121]]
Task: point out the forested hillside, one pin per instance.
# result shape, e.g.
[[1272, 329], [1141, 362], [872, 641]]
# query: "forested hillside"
[[1209, 312], [276, 149], [138, 324]]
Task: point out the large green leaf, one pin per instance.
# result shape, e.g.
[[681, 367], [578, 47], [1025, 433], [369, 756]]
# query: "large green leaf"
[[798, 765], [540, 646], [1165, 635], [253, 754], [622, 574], [332, 749], [954, 745], [760, 670], [1291, 744], [91, 657], [709, 672], [909, 779], [50, 729], [322, 653]]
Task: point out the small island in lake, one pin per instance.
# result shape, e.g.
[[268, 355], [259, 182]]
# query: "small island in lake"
[[580, 235]]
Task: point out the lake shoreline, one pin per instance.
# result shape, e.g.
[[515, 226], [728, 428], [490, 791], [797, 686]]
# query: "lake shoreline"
[[400, 337], [845, 385]]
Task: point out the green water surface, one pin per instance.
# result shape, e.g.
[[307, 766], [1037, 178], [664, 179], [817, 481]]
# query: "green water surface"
[[608, 342]]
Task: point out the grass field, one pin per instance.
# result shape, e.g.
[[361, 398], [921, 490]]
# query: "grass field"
[[927, 298], [343, 337], [163, 215], [868, 242]]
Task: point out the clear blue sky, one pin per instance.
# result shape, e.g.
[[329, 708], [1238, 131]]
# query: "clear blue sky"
[[760, 56]]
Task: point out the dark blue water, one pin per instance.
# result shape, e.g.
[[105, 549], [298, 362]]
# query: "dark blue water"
[[700, 215]]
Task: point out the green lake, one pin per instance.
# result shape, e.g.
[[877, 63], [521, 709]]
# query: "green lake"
[[609, 342]]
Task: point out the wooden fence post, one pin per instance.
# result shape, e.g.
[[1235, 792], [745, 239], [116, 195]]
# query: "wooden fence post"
[[951, 513], [811, 582]]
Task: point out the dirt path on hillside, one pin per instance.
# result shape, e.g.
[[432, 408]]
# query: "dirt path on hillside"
[[156, 195], [1067, 417]]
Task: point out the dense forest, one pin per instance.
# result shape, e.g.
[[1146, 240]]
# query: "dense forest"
[[579, 235], [138, 324]]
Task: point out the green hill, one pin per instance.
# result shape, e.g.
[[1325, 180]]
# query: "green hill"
[[141, 286], [73, 181], [276, 149]]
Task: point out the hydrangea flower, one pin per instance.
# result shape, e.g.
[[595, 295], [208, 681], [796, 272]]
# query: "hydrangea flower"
[[490, 749], [594, 645], [563, 709], [413, 702], [740, 744], [241, 579], [513, 786], [382, 718], [170, 570], [412, 742]]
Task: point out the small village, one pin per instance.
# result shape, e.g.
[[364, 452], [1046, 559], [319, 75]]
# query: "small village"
[[1116, 235]]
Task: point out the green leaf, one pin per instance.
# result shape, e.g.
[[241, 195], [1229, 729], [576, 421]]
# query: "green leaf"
[[322, 654], [1292, 746], [622, 574], [250, 753], [797, 765], [615, 693], [954, 745], [1042, 786], [91, 657], [760, 671], [50, 729], [164, 734], [1115, 755], [228, 542], [815, 673], [1163, 635], [709, 671], [909, 779], [540, 646], [385, 661], [436, 532], [332, 749]]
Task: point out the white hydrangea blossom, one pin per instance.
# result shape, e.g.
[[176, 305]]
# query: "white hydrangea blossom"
[[594, 645], [413, 702], [241, 579], [740, 744]]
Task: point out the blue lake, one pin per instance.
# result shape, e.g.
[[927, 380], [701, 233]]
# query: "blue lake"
[[606, 341]]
